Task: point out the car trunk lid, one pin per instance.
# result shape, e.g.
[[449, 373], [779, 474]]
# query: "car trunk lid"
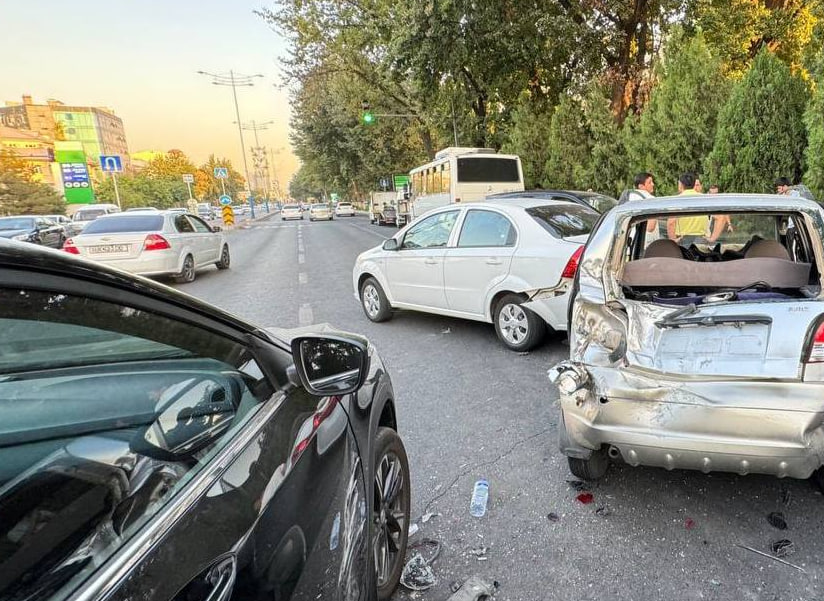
[[753, 339], [103, 247]]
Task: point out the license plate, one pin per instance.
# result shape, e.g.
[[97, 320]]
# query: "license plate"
[[109, 249]]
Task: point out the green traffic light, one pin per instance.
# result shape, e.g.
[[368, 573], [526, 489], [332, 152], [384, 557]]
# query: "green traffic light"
[[368, 118]]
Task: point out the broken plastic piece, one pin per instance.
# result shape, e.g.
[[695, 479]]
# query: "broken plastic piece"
[[413, 529], [446, 331], [689, 523], [553, 517], [417, 574], [479, 552], [585, 498], [774, 558], [578, 485], [603, 511], [782, 548], [776, 520], [428, 516], [475, 588]]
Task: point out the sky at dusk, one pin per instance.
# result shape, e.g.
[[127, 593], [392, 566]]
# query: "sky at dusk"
[[141, 60]]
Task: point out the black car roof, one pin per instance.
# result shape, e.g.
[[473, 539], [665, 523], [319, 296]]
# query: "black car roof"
[[36, 259]]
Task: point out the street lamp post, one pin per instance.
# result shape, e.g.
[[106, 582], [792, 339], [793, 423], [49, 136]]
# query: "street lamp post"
[[235, 80]]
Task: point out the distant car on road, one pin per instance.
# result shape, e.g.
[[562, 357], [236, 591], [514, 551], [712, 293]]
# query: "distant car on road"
[[484, 261], [320, 212], [153, 244], [36, 229], [196, 455], [60, 220], [695, 353], [291, 212], [88, 213], [206, 211], [600, 202], [344, 209]]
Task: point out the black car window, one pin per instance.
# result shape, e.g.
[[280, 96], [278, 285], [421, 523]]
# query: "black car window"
[[564, 220], [199, 226], [183, 225], [431, 232], [118, 224], [17, 223], [486, 229], [106, 411]]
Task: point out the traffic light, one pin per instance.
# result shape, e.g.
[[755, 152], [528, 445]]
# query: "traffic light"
[[367, 116]]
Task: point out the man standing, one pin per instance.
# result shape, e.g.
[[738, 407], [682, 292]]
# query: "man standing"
[[720, 223], [686, 230], [644, 188]]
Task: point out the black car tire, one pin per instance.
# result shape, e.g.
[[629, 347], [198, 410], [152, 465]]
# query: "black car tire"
[[225, 258], [532, 328], [378, 309], [187, 273], [391, 502], [818, 478], [593, 468]]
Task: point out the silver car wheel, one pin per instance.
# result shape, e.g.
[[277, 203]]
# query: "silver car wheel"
[[389, 515], [513, 323], [371, 301]]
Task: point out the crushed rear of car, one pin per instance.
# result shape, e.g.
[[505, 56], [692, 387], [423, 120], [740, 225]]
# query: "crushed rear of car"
[[700, 355]]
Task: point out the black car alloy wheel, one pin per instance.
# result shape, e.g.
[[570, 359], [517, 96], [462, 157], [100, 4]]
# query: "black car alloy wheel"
[[390, 511]]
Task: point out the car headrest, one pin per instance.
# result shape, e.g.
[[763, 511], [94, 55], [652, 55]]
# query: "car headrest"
[[663, 248], [767, 248]]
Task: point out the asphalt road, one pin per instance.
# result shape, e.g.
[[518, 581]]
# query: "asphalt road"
[[468, 409]]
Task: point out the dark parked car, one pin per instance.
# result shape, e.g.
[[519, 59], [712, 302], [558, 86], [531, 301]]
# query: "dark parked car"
[[155, 447], [32, 228], [600, 202]]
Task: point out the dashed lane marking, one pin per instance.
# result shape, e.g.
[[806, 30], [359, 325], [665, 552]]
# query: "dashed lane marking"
[[305, 316], [303, 278]]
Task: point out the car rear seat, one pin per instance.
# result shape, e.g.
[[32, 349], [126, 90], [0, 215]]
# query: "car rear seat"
[[767, 248], [663, 248]]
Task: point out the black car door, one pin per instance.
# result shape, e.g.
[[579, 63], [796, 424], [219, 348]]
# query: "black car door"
[[150, 454]]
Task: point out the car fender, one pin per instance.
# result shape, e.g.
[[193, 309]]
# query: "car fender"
[[185, 250], [374, 269], [511, 283]]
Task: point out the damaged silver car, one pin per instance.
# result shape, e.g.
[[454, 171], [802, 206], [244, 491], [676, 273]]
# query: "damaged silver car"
[[694, 350]]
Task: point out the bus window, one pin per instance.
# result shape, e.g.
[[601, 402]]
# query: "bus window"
[[487, 169]]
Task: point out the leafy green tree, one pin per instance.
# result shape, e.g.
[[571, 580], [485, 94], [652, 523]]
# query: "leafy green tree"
[[814, 153], [569, 148], [761, 132], [529, 138], [607, 168], [143, 191], [677, 129], [172, 164], [19, 196]]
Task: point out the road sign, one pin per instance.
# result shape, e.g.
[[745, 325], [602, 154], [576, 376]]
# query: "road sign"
[[334, 196], [222, 172], [111, 163], [225, 200], [228, 215], [188, 178], [400, 180], [384, 183]]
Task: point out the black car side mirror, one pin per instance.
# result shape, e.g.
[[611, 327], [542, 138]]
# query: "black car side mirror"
[[330, 365], [216, 228], [390, 244]]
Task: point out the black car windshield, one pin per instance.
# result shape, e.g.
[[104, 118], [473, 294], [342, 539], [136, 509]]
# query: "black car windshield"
[[16, 223], [89, 215], [125, 223], [564, 220]]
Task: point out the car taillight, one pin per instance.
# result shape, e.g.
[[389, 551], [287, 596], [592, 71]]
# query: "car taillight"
[[155, 242], [572, 265], [70, 248], [816, 354]]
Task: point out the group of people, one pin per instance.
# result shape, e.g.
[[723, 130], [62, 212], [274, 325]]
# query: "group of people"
[[690, 229]]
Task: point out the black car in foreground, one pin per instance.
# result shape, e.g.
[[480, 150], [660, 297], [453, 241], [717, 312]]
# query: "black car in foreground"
[[154, 447], [33, 228], [600, 202]]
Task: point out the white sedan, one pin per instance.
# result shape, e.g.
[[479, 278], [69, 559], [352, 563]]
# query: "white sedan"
[[509, 263], [153, 244], [344, 209], [291, 212], [320, 211]]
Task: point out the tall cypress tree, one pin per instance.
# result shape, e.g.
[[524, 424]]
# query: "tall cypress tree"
[[677, 130], [761, 132], [608, 167], [814, 123], [529, 137], [569, 148]]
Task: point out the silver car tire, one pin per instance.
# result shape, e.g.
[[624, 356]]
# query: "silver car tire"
[[374, 302], [225, 258], [187, 272], [517, 327]]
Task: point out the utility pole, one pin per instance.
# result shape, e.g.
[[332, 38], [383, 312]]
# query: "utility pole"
[[258, 152], [235, 80]]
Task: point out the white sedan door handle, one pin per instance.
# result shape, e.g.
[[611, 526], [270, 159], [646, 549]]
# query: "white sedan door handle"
[[430, 261], [492, 261]]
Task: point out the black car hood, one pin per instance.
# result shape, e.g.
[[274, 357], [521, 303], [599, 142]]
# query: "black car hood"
[[13, 233]]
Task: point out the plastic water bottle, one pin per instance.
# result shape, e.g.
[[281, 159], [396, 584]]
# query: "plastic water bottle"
[[480, 495]]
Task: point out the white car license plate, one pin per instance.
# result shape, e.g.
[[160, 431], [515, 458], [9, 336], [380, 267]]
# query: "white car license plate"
[[106, 249]]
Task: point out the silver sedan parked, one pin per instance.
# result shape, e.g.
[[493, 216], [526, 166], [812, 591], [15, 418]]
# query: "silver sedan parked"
[[153, 244], [694, 345]]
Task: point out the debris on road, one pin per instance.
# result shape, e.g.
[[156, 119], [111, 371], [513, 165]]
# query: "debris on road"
[[446, 331], [417, 574], [785, 496], [603, 511], [413, 529], [773, 557], [689, 523], [480, 553], [578, 485], [782, 548], [553, 517], [585, 498], [480, 496], [776, 520], [428, 516], [715, 582], [474, 589]]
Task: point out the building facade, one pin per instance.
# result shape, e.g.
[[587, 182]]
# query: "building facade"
[[35, 149]]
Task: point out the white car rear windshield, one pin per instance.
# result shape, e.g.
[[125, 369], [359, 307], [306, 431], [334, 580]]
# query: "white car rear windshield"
[[564, 221], [89, 215], [125, 223], [291, 207]]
